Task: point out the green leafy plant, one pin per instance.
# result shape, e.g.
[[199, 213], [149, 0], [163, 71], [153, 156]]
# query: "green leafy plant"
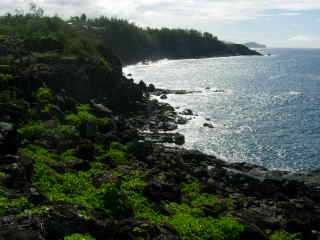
[[118, 153], [283, 235], [17, 205], [84, 114], [36, 130], [192, 227], [44, 95], [78, 236], [76, 187], [191, 190], [32, 130]]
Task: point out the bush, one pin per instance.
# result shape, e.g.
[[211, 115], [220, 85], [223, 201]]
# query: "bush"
[[32, 130], [283, 235], [36, 130], [191, 227], [78, 236], [17, 205], [83, 115], [191, 190], [44, 95], [118, 157], [118, 153]]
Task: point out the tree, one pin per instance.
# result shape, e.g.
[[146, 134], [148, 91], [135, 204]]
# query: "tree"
[[83, 18], [35, 10]]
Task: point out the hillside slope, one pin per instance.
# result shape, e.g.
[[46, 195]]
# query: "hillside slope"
[[133, 44]]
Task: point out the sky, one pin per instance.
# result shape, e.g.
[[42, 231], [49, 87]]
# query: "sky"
[[277, 23]]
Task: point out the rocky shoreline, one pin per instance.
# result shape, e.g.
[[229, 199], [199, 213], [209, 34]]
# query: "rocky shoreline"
[[272, 198], [83, 155]]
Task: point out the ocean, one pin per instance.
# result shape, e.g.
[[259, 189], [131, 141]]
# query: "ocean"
[[265, 109]]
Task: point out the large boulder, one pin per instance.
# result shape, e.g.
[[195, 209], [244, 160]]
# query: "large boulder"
[[158, 191], [20, 229], [18, 171], [65, 220], [8, 138], [132, 229]]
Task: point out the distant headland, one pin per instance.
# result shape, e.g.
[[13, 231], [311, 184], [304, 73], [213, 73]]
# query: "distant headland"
[[254, 45]]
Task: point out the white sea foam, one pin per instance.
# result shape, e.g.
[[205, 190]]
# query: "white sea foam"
[[295, 93]]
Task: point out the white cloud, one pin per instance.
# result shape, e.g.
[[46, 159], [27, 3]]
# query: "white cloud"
[[215, 10], [207, 15]]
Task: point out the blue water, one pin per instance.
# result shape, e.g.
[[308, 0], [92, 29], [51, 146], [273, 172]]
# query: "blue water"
[[268, 114]]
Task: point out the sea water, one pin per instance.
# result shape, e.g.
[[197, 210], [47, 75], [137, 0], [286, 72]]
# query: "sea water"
[[265, 109]]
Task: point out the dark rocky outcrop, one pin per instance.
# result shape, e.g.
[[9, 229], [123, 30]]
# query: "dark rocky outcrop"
[[8, 138]]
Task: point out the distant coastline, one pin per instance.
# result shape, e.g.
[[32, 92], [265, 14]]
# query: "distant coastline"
[[254, 45]]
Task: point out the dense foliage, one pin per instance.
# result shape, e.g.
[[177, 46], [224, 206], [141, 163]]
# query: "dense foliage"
[[132, 43], [63, 55]]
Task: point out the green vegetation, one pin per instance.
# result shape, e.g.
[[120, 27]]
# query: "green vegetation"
[[283, 235], [84, 115], [44, 95], [75, 188], [37, 130], [118, 153], [14, 205], [78, 237], [189, 220], [158, 43]]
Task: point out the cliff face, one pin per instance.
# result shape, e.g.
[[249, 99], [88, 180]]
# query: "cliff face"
[[77, 63]]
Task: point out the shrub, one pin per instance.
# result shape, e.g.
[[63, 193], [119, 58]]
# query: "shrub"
[[32, 130], [191, 224], [205, 199], [283, 235], [66, 131], [44, 95], [190, 227], [118, 146], [78, 236], [17, 205], [118, 157], [133, 186], [83, 115], [191, 190], [118, 153], [113, 201], [35, 130], [143, 209]]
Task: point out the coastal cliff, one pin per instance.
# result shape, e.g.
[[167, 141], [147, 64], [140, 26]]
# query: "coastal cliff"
[[81, 154]]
